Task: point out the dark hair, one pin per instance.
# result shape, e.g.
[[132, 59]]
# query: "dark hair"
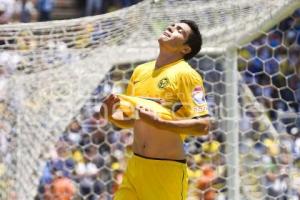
[[194, 40]]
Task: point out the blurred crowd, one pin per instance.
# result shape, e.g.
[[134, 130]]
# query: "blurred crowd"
[[88, 160], [12, 11], [270, 148], [95, 7]]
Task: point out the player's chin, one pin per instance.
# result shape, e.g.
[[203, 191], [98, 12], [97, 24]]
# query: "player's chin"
[[162, 39]]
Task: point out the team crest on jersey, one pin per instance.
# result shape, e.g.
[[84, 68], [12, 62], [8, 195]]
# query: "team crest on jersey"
[[163, 83], [198, 95]]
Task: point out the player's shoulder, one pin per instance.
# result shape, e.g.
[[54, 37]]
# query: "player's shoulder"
[[185, 70]]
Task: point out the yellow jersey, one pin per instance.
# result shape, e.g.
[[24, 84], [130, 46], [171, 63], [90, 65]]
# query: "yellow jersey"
[[176, 86]]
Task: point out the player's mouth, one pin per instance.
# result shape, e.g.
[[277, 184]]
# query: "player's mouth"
[[166, 34]]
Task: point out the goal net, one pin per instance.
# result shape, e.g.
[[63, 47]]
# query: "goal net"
[[54, 76]]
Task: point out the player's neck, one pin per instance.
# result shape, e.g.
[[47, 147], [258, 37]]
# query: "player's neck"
[[165, 58]]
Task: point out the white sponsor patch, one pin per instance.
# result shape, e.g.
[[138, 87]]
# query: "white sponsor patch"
[[198, 95], [200, 109]]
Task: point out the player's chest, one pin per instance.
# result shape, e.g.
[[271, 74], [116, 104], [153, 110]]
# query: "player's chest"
[[151, 84]]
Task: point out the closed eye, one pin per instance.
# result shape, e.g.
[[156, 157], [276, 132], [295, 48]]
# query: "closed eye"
[[181, 30]]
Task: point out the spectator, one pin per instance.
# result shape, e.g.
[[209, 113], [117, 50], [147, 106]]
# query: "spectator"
[[205, 182], [126, 3], [93, 7], [6, 11], [62, 188], [25, 11], [45, 8]]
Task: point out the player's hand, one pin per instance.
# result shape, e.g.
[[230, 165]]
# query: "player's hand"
[[147, 115], [109, 105]]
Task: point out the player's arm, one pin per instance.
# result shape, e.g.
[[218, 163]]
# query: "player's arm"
[[198, 126], [195, 126]]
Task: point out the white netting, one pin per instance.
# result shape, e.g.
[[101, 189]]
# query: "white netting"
[[50, 70]]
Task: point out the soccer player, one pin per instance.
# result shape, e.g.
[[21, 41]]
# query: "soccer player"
[[158, 170]]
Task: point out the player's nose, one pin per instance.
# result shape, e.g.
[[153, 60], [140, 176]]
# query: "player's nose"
[[170, 29]]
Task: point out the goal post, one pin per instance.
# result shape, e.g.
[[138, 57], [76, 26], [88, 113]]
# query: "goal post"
[[231, 120]]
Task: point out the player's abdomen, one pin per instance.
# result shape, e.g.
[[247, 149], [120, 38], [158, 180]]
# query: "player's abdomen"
[[152, 142]]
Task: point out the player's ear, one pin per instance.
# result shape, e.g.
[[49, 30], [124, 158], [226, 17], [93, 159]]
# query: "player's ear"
[[186, 50]]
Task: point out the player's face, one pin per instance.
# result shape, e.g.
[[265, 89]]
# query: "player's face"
[[175, 36]]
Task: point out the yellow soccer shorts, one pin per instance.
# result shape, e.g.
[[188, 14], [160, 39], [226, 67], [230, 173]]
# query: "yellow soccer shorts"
[[153, 179]]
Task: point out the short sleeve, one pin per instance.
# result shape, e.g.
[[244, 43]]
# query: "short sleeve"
[[191, 94], [130, 86]]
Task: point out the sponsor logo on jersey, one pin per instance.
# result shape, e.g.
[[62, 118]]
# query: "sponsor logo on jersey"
[[163, 83], [200, 109], [198, 95]]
